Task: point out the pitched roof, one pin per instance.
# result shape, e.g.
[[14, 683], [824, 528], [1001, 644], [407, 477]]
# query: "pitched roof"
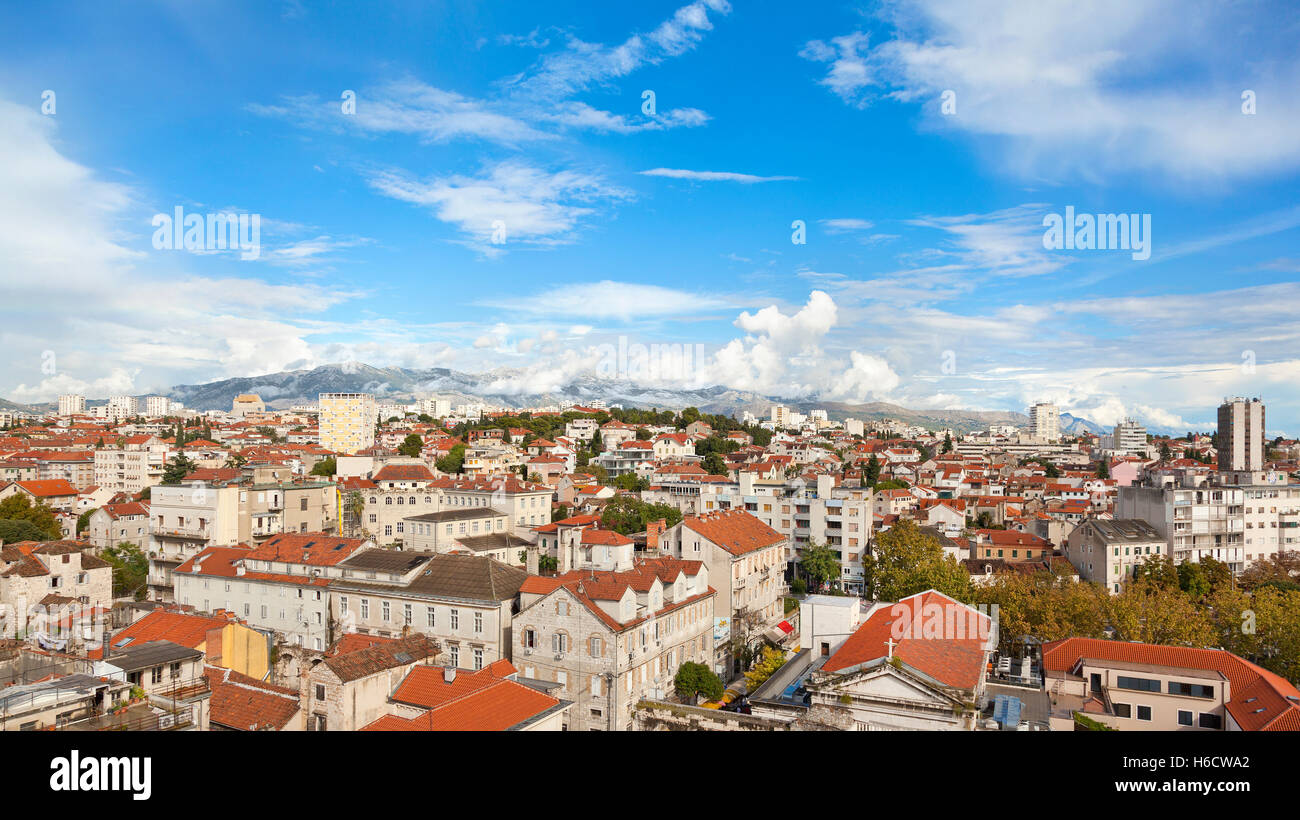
[[404, 472], [48, 488], [245, 703], [482, 701], [373, 659], [952, 661], [312, 548], [736, 531]]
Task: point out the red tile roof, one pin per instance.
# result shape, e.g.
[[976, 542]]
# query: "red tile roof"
[[736, 531], [953, 661], [244, 703], [482, 701]]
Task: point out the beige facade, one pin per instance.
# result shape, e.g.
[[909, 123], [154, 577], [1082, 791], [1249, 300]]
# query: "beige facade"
[[609, 652], [347, 421]]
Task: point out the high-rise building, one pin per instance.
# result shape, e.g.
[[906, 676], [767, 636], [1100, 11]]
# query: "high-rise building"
[[1045, 422], [1241, 434], [71, 404], [1130, 437], [122, 407], [246, 403], [156, 407], [347, 421]]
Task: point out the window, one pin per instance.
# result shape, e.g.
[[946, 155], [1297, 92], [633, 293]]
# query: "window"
[[455, 655], [406, 613], [343, 604], [156, 675], [478, 621], [530, 639], [597, 646], [387, 611], [560, 643], [365, 608], [320, 691], [1137, 684], [1209, 721], [1144, 713], [431, 617], [1194, 690], [478, 658], [596, 683], [455, 619], [1123, 710], [1184, 718], [302, 504]]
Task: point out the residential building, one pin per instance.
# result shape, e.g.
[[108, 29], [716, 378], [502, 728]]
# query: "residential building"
[[246, 403], [1145, 687], [1241, 434], [746, 560], [1109, 551], [1129, 437], [346, 692], [1045, 422], [113, 524], [1195, 521], [347, 422], [138, 462], [52, 574], [465, 602], [156, 407], [241, 703], [72, 405], [493, 699], [610, 638]]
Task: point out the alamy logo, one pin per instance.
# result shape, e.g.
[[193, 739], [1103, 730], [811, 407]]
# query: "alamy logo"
[[1105, 232], [215, 232], [75, 773]]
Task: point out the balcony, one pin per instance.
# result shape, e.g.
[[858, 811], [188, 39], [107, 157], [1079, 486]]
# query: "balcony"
[[186, 533]]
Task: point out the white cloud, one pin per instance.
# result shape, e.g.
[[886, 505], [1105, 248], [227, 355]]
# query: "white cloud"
[[712, 176], [620, 300], [1086, 89], [533, 206]]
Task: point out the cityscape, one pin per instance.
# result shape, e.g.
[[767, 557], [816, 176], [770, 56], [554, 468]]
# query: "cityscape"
[[681, 366]]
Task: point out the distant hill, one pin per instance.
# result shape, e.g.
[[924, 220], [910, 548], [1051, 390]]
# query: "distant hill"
[[282, 390]]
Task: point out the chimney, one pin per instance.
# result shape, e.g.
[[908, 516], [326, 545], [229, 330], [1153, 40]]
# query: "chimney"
[[107, 645], [653, 530], [448, 674]]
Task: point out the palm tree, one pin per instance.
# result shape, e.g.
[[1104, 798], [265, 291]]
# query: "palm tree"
[[355, 506]]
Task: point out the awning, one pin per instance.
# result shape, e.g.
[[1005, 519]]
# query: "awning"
[[779, 633]]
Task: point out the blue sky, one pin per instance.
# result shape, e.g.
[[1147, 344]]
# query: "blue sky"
[[923, 280]]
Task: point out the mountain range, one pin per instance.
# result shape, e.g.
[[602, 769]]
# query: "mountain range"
[[501, 387]]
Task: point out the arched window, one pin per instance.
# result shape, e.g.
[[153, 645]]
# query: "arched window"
[[388, 500]]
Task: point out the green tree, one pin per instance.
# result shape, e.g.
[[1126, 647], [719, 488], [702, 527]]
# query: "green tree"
[[411, 446], [454, 461], [872, 474], [326, 466], [19, 508], [597, 443], [1158, 571], [560, 513], [696, 679], [714, 465], [820, 564], [947, 443], [1103, 468], [83, 520], [904, 561], [174, 473], [130, 569], [13, 530]]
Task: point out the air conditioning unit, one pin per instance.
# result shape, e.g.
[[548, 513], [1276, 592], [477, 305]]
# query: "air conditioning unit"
[[559, 657], [528, 651]]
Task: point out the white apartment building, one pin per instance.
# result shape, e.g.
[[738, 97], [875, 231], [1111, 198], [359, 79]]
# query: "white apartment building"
[[72, 405], [1241, 434], [1045, 422], [1272, 514], [131, 467], [122, 407], [436, 408], [347, 422], [840, 518], [1195, 522], [1129, 437], [156, 407], [281, 585]]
